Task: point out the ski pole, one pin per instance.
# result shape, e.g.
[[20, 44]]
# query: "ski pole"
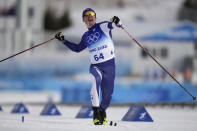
[[27, 49], [147, 52]]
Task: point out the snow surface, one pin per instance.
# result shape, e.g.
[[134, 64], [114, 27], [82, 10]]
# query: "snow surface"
[[165, 118]]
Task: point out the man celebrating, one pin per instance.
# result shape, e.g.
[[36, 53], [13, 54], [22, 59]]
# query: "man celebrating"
[[99, 41]]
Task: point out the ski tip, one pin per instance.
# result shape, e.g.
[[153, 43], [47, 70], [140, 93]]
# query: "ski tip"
[[111, 123]]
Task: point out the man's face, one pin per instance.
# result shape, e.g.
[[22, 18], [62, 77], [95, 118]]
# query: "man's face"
[[89, 19]]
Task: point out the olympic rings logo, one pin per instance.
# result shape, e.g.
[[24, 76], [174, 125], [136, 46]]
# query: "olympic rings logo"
[[93, 37]]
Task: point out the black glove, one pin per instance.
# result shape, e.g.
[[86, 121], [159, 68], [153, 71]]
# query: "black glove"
[[116, 20], [59, 36]]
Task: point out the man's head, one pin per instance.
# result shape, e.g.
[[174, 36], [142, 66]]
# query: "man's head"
[[89, 17]]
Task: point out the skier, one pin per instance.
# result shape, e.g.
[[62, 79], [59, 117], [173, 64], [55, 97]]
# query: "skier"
[[99, 41]]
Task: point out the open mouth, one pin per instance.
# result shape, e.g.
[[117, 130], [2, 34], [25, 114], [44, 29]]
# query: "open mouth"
[[90, 20]]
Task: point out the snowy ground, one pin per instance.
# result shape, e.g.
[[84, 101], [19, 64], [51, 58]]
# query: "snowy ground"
[[165, 118]]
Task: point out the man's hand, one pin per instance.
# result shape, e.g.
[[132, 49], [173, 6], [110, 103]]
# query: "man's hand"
[[59, 36], [116, 20]]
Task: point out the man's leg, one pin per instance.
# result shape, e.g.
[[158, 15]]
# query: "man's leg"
[[96, 81], [107, 87]]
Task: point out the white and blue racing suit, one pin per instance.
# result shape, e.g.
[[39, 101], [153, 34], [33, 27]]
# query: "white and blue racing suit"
[[99, 41]]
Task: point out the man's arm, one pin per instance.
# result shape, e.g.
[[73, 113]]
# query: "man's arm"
[[72, 46], [75, 47]]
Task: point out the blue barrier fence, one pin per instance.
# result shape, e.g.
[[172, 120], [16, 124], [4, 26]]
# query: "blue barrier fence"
[[152, 92], [73, 91]]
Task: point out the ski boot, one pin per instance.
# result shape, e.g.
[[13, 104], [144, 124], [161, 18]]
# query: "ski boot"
[[103, 116], [97, 119]]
